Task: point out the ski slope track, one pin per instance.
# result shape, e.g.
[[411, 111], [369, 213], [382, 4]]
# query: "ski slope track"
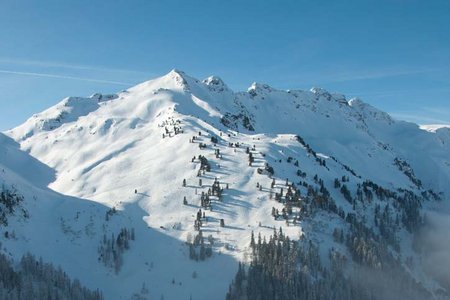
[[89, 167]]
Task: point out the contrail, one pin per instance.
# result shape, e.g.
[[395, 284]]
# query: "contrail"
[[54, 64], [64, 77]]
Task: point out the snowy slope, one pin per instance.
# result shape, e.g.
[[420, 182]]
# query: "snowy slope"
[[88, 155], [67, 231]]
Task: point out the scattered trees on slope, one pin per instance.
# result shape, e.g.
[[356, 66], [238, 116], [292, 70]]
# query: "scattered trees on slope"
[[10, 201], [111, 249]]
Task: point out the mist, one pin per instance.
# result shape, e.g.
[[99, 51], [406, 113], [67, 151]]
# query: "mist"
[[434, 243]]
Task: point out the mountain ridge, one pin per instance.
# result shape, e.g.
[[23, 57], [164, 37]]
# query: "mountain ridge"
[[134, 151]]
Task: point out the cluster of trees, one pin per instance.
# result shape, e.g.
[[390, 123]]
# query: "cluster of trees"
[[300, 173], [171, 127], [316, 199], [217, 153], [34, 279], [111, 249], [406, 204], [308, 148], [214, 139], [205, 200], [306, 145], [320, 200], [374, 251], [387, 224], [10, 200], [346, 193], [204, 163], [291, 197], [198, 248], [216, 190], [366, 246], [293, 270], [251, 159], [110, 212], [369, 188], [282, 269], [409, 204], [269, 169], [290, 159], [347, 168], [404, 167], [201, 217], [400, 208]]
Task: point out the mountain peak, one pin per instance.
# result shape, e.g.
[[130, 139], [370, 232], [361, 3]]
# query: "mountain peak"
[[179, 76], [175, 79], [259, 89], [176, 72], [319, 91], [324, 94], [215, 83], [368, 110]]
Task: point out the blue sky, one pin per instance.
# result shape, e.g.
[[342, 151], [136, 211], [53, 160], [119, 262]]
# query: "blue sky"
[[393, 54]]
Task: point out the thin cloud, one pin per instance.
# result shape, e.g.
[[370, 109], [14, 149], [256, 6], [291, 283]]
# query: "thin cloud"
[[378, 74], [419, 119], [339, 74], [54, 64], [443, 111], [33, 74], [398, 93]]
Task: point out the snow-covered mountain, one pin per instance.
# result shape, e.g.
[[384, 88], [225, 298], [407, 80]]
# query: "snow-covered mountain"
[[91, 169]]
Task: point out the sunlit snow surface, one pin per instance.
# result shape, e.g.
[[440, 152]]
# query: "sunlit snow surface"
[[86, 155]]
